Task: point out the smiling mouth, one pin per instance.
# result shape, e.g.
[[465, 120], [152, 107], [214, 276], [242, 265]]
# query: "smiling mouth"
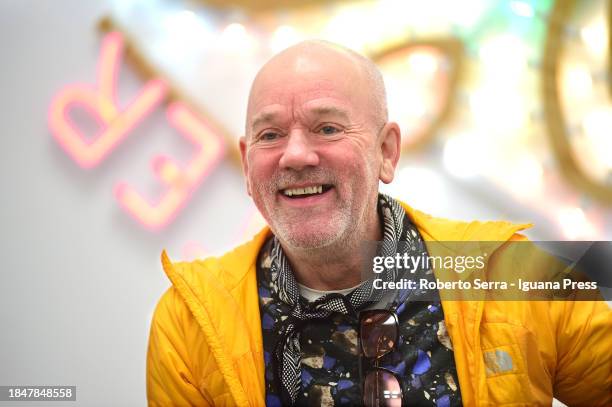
[[297, 193]]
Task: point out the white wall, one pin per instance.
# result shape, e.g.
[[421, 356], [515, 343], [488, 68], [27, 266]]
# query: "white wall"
[[79, 277]]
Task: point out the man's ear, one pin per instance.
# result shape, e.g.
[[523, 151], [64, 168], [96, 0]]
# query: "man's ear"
[[245, 163], [390, 147]]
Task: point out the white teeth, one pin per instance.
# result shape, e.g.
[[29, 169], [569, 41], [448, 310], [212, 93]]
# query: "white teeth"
[[304, 191]]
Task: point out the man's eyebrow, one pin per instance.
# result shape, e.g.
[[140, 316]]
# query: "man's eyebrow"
[[329, 111], [267, 117], [261, 118]]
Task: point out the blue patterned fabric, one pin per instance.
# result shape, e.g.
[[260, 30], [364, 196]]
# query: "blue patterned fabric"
[[329, 357]]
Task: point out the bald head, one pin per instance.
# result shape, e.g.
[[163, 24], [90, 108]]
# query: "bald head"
[[312, 58]]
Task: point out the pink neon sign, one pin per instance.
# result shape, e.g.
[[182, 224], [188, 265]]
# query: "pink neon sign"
[[116, 123], [101, 102], [181, 182]]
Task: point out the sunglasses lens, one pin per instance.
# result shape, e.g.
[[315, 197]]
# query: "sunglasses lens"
[[381, 388], [378, 333]]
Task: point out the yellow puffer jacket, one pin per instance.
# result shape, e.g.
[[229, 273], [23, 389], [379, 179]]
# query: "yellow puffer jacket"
[[205, 346]]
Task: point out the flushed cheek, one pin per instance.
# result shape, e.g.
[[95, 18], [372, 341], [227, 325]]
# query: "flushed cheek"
[[356, 174], [261, 169]]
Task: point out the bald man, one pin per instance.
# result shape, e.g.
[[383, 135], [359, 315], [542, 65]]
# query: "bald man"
[[290, 318], [317, 118]]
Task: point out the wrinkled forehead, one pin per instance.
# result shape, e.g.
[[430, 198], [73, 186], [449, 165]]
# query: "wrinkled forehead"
[[298, 92], [307, 82]]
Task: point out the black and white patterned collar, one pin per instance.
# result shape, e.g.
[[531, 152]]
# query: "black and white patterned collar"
[[397, 228]]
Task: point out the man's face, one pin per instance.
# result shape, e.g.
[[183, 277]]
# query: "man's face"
[[311, 154]]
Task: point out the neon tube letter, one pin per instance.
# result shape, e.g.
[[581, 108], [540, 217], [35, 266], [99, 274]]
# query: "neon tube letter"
[[101, 102], [181, 182]]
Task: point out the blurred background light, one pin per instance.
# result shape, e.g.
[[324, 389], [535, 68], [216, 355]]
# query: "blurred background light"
[[352, 28], [465, 155], [422, 63], [498, 112], [504, 59], [595, 36], [422, 187], [525, 178], [465, 13], [284, 36], [522, 8], [235, 38], [597, 126], [577, 81], [575, 224]]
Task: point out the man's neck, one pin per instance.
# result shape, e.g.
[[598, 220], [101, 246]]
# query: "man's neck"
[[337, 266]]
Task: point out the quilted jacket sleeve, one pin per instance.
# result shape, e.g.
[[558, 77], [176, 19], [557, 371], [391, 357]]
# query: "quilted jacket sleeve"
[[170, 379], [584, 354]]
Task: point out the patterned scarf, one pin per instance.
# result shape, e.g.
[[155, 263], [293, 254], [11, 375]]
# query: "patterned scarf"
[[396, 227]]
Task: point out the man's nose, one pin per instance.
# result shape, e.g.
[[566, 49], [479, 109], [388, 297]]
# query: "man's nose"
[[299, 151]]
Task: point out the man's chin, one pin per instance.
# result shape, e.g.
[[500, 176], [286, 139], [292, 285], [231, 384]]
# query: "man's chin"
[[308, 241], [310, 232]]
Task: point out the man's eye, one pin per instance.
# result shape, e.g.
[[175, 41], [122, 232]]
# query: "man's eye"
[[329, 130], [269, 136]]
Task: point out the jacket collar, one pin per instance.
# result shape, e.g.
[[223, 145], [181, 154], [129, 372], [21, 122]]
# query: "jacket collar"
[[445, 230], [227, 286], [240, 261], [226, 273]]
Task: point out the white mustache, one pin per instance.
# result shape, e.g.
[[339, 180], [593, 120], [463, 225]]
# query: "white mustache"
[[284, 179]]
